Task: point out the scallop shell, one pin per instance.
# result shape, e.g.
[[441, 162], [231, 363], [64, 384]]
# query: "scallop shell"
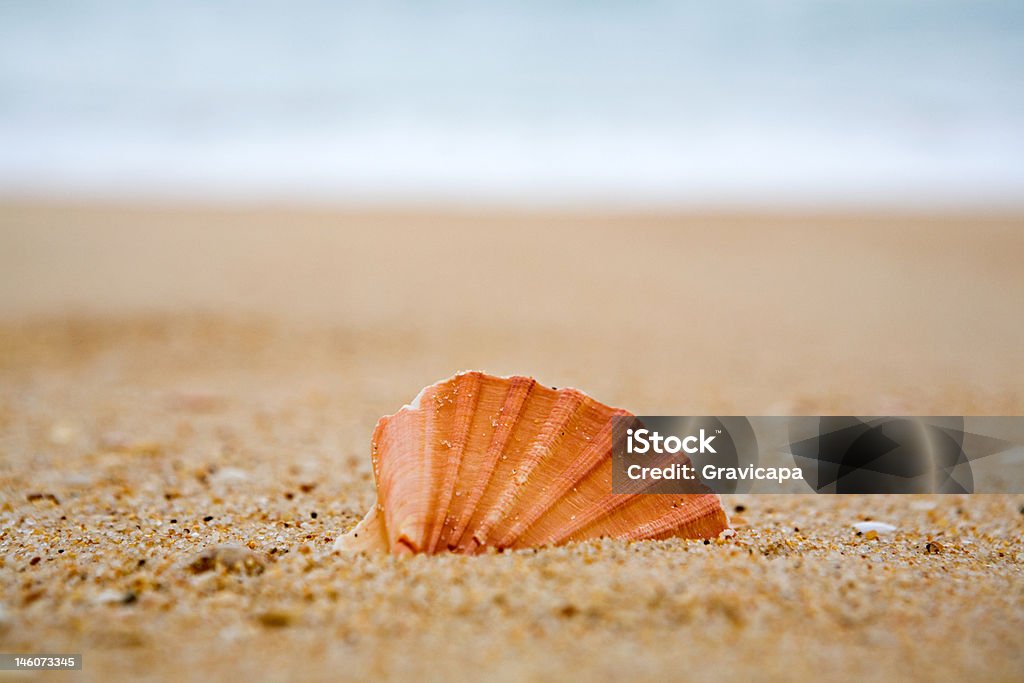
[[479, 461]]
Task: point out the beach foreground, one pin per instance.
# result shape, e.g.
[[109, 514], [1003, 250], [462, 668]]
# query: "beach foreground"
[[173, 380]]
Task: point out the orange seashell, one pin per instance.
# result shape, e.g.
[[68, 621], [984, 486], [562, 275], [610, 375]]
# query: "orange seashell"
[[479, 461]]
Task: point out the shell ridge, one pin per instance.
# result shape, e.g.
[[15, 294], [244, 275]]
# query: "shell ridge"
[[436, 418], [582, 467], [384, 472], [606, 504], [402, 468], [612, 504], [691, 516], [469, 389], [511, 411], [567, 406], [680, 510], [596, 514]]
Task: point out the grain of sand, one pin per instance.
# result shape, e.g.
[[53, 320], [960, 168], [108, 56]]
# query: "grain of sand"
[[175, 380]]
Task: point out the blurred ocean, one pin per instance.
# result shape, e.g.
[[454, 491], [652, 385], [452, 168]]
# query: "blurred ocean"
[[784, 102]]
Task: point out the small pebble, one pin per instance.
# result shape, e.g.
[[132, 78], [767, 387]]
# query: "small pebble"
[[877, 527], [116, 442], [63, 433], [232, 558], [34, 497], [229, 475], [112, 596], [275, 618]]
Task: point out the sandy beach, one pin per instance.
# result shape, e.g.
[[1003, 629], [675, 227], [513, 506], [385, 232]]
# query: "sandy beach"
[[177, 378]]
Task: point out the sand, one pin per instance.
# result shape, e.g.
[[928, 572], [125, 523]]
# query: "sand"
[[177, 379]]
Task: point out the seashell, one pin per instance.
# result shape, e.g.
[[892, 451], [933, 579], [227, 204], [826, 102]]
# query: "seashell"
[[479, 461]]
